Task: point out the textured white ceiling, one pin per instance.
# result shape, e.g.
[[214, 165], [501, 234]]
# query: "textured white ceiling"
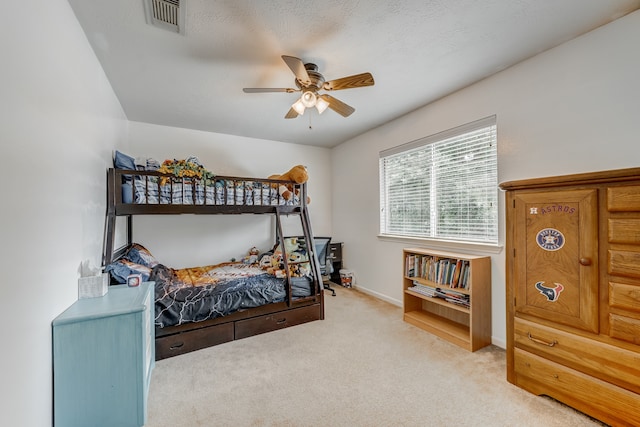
[[417, 51]]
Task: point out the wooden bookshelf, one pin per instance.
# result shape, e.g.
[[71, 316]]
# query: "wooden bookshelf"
[[461, 311]]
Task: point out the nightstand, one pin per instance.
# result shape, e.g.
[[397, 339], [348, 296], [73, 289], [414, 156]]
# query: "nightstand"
[[103, 355]]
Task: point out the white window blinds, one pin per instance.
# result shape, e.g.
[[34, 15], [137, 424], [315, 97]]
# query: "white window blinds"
[[443, 186]]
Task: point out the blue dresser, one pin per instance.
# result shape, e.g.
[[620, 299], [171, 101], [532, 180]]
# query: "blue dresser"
[[103, 355]]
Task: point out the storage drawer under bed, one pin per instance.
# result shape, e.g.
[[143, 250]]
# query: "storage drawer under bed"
[[196, 339], [272, 322]]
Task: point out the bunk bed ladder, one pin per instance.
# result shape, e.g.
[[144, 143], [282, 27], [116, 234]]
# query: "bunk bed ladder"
[[311, 247], [315, 266], [280, 239]]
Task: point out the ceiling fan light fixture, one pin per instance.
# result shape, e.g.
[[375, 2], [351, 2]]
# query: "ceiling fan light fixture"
[[309, 81], [321, 105], [309, 99], [298, 106]]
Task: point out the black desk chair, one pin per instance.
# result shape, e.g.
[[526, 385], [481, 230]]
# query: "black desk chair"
[[326, 266]]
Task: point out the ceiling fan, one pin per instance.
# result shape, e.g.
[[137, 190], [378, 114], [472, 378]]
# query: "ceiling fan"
[[309, 81]]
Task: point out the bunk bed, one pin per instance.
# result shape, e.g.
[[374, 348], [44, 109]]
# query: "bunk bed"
[[209, 305]]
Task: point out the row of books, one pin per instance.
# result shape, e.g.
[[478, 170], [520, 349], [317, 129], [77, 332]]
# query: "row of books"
[[444, 271], [446, 294]]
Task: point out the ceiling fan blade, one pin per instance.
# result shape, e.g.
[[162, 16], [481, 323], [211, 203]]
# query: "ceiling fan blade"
[[268, 89], [357, 80], [297, 66], [291, 114], [338, 106]]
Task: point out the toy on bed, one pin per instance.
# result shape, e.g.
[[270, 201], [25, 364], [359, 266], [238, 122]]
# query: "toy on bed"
[[252, 256], [297, 174]]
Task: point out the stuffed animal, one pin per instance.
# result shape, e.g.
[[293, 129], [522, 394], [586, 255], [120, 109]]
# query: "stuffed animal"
[[277, 266], [265, 261], [252, 257], [298, 264], [297, 174], [272, 264]]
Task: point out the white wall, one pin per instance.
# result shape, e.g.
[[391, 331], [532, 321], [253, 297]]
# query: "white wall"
[[185, 241], [59, 123], [572, 109]]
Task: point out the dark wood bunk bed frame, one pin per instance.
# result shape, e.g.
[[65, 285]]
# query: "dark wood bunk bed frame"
[[174, 340]]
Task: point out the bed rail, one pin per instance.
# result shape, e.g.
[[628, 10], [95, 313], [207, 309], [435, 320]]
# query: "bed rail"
[[150, 192]]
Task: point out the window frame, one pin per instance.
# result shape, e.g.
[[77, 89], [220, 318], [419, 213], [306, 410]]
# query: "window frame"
[[492, 238]]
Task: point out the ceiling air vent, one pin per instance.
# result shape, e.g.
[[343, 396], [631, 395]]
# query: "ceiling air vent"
[[165, 14]]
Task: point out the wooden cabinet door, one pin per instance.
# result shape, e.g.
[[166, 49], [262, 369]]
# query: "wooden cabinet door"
[[556, 256]]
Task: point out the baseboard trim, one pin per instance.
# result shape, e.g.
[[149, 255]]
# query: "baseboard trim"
[[379, 296], [499, 343]]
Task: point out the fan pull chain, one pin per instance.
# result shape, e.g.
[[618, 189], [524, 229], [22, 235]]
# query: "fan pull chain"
[[310, 126]]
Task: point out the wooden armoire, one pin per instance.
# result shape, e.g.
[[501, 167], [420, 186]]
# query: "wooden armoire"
[[573, 291]]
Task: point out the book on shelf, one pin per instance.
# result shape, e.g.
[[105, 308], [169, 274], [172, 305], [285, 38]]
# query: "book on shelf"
[[446, 294], [441, 270], [410, 266]]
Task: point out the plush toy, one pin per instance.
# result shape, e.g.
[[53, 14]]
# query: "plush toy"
[[265, 262], [298, 264], [252, 257], [272, 264], [277, 266], [297, 174]]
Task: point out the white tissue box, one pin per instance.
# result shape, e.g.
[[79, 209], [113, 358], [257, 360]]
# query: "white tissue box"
[[93, 286]]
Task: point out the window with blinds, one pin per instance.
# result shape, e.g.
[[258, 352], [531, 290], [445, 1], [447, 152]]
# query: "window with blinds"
[[444, 186]]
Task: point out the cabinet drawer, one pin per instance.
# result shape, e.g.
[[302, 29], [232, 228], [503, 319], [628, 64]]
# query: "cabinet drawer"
[[271, 322], [624, 230], [597, 398], [625, 328], [604, 361], [624, 296], [184, 342], [623, 199], [335, 252], [624, 263]]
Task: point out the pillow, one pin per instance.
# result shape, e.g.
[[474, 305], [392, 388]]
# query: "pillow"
[[140, 255], [141, 163], [122, 161], [122, 268], [153, 164]]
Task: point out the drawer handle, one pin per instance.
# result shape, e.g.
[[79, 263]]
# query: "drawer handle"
[[176, 346], [539, 341], [281, 321]]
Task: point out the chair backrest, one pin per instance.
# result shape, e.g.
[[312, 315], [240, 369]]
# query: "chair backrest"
[[322, 251]]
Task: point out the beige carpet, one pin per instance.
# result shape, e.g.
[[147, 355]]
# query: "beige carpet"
[[361, 366]]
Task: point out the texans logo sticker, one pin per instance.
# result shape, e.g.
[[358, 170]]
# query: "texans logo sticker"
[[553, 293]]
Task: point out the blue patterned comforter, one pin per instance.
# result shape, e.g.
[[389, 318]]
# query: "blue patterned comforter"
[[178, 302]]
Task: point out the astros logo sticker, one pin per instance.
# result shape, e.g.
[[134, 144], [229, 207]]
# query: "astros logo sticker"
[[550, 239]]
